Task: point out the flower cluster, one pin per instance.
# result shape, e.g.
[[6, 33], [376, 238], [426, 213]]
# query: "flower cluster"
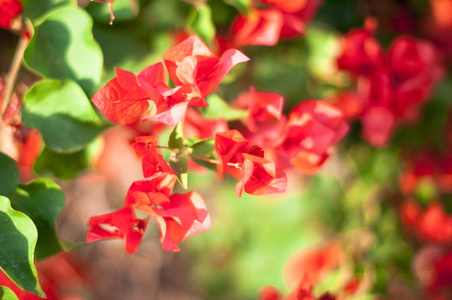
[[301, 140], [193, 68], [424, 182], [392, 86], [271, 141], [258, 175], [179, 216]]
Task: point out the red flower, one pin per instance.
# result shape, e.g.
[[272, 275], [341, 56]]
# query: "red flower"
[[229, 146], [435, 225], [433, 267], [262, 27], [313, 126], [295, 21], [152, 161], [179, 216], [153, 190], [125, 98], [361, 53], [144, 144], [126, 226], [349, 103], [9, 9], [410, 212], [414, 68], [265, 120], [378, 124], [310, 265], [288, 6], [260, 176], [193, 64]]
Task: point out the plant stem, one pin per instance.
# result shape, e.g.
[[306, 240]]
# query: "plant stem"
[[212, 161], [110, 6], [13, 72]]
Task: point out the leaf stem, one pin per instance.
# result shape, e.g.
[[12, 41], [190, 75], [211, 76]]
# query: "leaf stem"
[[209, 160], [110, 6]]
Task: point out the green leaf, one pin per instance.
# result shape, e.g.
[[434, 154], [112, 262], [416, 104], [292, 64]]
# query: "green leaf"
[[35, 9], [176, 138], [42, 200], [63, 47], [180, 166], [18, 237], [124, 10], [7, 294], [219, 108], [9, 175], [204, 149], [201, 23], [242, 6], [64, 166], [63, 114]]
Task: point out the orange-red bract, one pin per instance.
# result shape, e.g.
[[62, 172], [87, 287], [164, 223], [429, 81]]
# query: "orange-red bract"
[[125, 98], [192, 64], [260, 177], [179, 216], [313, 127], [125, 225]]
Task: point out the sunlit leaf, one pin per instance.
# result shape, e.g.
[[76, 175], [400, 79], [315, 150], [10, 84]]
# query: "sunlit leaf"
[[18, 236], [60, 110], [63, 47], [7, 294]]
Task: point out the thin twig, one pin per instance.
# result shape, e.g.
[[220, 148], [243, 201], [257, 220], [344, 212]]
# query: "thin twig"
[[13, 72], [110, 6]]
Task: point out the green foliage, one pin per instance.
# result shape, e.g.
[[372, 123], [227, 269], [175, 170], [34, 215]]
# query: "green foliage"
[[63, 48], [63, 166], [18, 236], [7, 294], [63, 114], [42, 200], [201, 23], [9, 175], [35, 9]]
